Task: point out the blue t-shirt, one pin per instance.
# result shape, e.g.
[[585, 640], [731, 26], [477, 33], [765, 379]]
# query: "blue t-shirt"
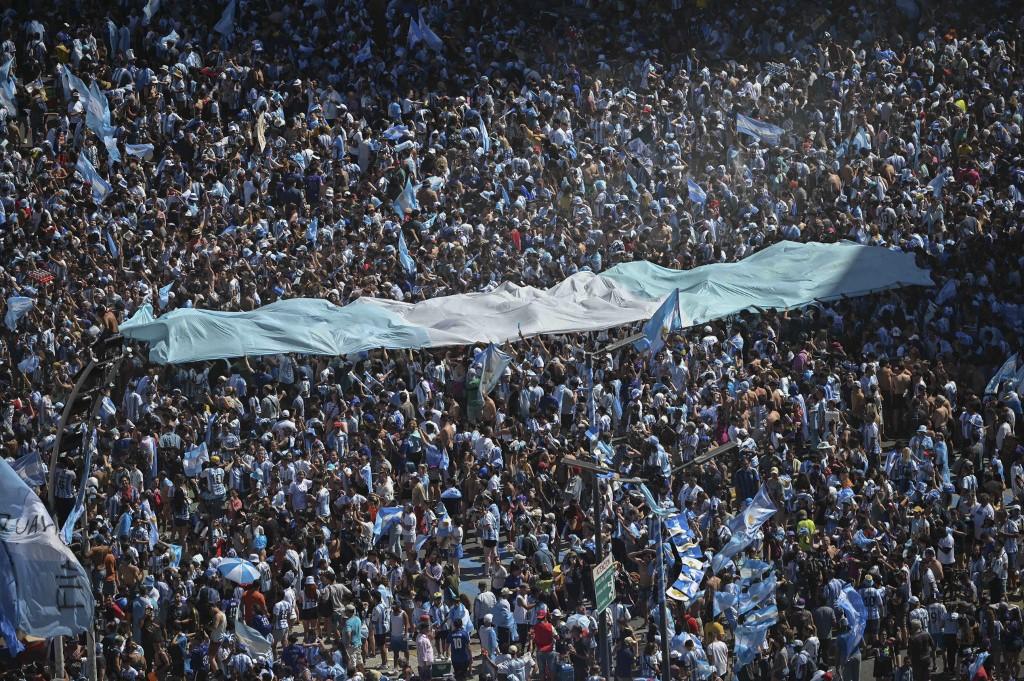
[[460, 647]]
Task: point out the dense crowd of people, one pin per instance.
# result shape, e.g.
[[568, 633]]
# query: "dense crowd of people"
[[395, 520]]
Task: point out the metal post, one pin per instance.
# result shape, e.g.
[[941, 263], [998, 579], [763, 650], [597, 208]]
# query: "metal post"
[[604, 644], [666, 671], [58, 658], [90, 642]]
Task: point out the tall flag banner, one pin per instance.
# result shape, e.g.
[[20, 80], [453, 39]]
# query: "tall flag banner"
[[491, 365], [407, 199], [761, 508], [367, 475], [697, 195], [852, 605], [78, 509], [1006, 372], [258, 644], [427, 34], [8, 87], [485, 139], [668, 318], [31, 469], [385, 520], [101, 189], [364, 53], [226, 25], [408, 264], [44, 590], [17, 307], [759, 130]]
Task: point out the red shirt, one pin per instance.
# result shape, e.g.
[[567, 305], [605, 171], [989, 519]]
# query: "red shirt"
[[544, 636]]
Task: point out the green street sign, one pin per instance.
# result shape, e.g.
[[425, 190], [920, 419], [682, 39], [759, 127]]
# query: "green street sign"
[[604, 584]]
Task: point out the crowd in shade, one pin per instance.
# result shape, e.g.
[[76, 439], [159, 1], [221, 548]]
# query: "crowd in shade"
[[815, 494]]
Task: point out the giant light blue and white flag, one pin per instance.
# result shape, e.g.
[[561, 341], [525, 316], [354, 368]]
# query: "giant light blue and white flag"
[[17, 307], [852, 605], [226, 25], [759, 130], [427, 34], [697, 195], [491, 364], [101, 189], [44, 590], [406, 260], [668, 318]]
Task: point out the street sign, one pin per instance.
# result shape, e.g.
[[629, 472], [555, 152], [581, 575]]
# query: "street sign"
[[604, 584]]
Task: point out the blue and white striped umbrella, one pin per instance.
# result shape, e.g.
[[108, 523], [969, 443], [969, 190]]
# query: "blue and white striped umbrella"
[[238, 571]]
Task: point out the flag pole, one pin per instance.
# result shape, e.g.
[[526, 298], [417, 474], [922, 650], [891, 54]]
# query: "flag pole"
[[666, 668]]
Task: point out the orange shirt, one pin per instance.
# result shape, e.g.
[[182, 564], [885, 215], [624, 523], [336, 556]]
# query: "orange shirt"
[[110, 567]]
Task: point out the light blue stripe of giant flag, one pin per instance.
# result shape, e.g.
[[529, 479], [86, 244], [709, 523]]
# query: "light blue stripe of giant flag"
[[774, 278], [305, 326], [759, 130], [44, 590], [17, 307], [852, 605]]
